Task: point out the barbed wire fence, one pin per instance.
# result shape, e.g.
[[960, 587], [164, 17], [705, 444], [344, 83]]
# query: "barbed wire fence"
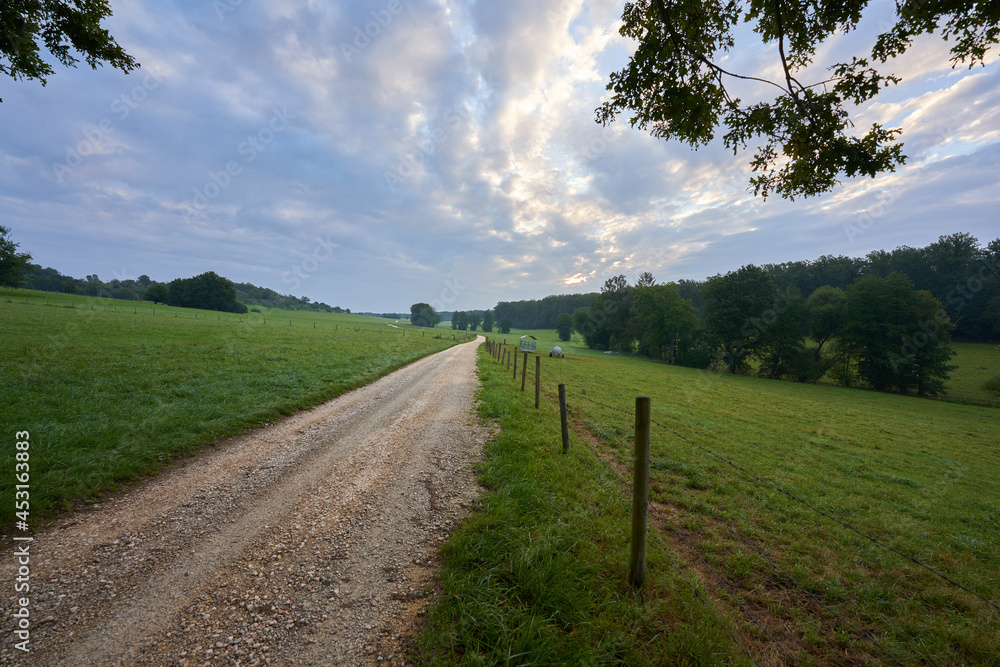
[[614, 484]]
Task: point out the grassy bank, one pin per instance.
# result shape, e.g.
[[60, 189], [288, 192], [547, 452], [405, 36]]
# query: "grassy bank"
[[114, 393], [919, 476], [539, 576]]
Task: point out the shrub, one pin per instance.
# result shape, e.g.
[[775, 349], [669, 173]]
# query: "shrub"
[[564, 326], [992, 386], [156, 293]]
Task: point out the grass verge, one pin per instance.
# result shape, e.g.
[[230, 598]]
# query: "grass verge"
[[539, 576]]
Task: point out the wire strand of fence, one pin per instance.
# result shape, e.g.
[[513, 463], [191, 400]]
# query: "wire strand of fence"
[[832, 518], [789, 577], [616, 493], [603, 405]]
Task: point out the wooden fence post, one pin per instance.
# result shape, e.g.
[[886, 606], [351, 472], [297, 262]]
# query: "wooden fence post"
[[538, 379], [524, 370], [640, 492], [515, 364], [564, 418]]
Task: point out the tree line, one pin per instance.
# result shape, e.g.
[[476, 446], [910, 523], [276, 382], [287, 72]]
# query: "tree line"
[[879, 332], [423, 315], [540, 313], [471, 320], [143, 288], [955, 269], [885, 321]]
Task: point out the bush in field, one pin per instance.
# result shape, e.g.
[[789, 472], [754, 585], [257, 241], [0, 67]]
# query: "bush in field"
[[899, 336], [156, 293], [992, 386], [208, 291], [423, 315], [564, 326], [12, 263]]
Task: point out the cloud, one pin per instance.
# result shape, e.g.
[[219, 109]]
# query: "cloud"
[[366, 153]]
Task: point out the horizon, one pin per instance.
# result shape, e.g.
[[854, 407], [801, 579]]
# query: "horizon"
[[404, 312]]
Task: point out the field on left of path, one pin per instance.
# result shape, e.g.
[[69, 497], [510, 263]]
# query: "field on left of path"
[[109, 391]]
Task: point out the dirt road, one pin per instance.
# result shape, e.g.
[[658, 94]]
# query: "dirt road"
[[310, 542]]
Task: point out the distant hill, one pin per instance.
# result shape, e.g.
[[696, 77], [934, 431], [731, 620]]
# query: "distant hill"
[[50, 280]]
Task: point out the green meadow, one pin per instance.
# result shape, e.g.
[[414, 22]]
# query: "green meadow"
[[539, 576], [738, 572], [976, 363], [113, 390]]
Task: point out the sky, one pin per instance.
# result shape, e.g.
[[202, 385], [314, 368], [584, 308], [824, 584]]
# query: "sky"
[[375, 154]]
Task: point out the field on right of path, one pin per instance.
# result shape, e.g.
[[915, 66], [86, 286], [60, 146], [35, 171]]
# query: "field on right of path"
[[890, 480], [975, 363]]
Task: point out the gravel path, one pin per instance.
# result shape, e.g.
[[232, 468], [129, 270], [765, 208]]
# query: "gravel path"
[[313, 541]]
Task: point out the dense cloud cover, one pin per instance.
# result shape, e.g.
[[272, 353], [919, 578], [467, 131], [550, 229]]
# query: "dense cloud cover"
[[376, 154]]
